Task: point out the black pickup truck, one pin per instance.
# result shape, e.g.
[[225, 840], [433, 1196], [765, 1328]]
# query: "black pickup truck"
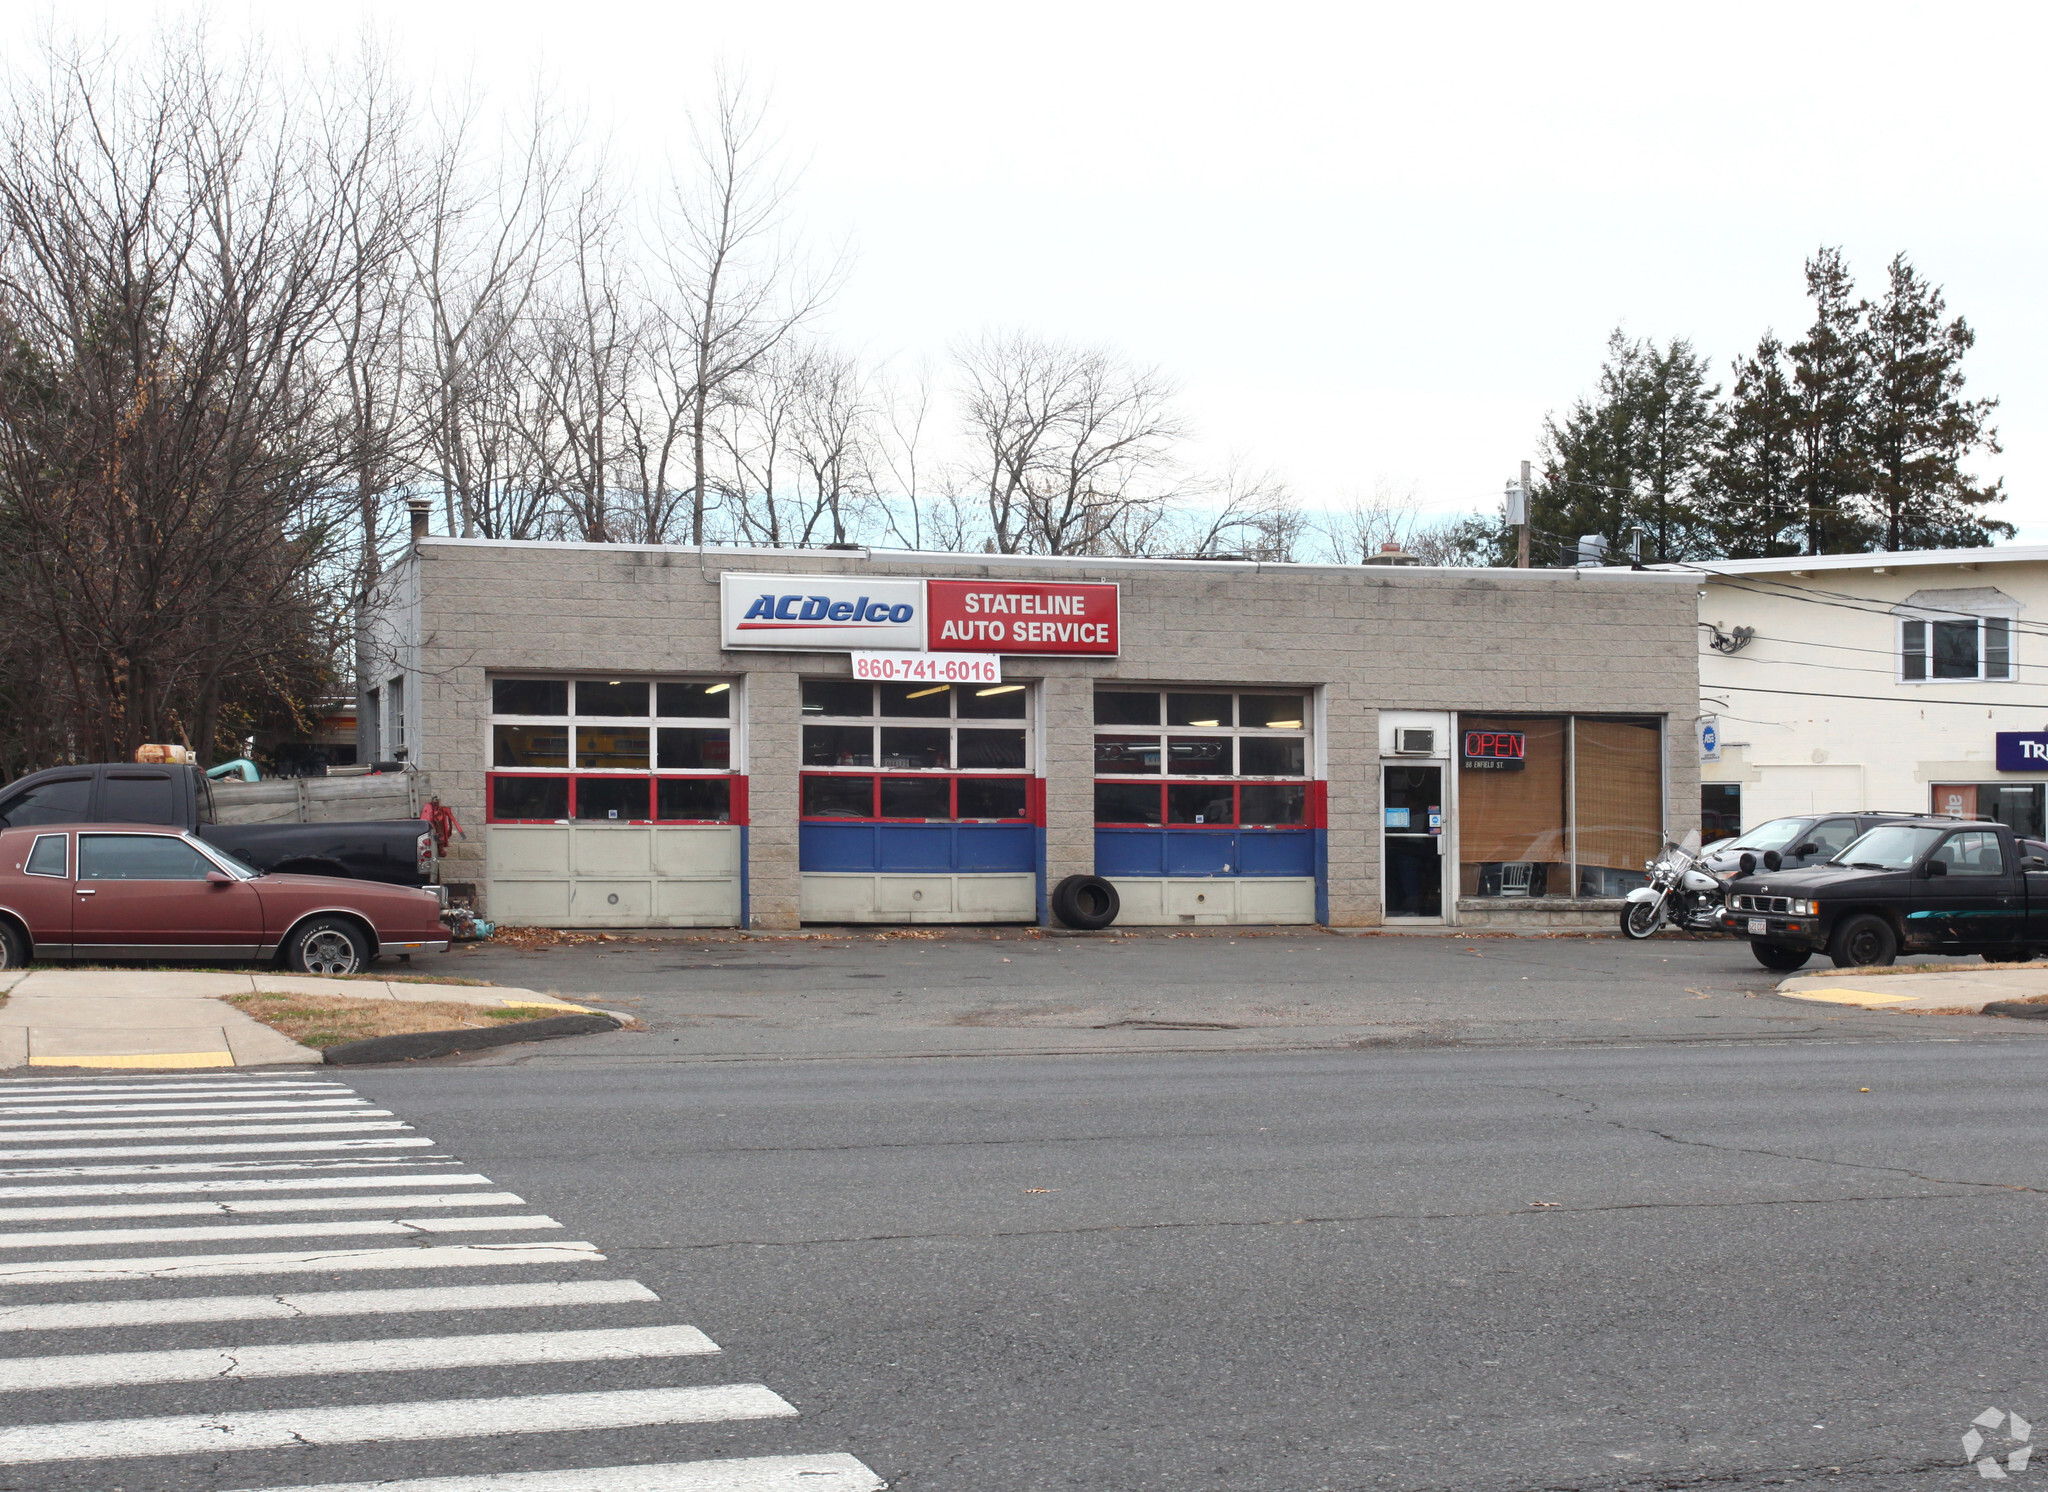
[[1923, 885], [399, 851]]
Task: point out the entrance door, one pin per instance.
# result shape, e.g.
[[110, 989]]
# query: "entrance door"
[[1412, 843]]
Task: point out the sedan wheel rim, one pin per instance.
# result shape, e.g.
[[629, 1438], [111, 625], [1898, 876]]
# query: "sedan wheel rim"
[[330, 953]]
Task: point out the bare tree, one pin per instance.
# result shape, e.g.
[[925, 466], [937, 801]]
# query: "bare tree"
[[1364, 525], [1071, 444], [1245, 514], [834, 440], [736, 288]]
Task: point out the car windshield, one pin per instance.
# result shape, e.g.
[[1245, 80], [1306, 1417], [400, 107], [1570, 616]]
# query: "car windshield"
[[1772, 835], [241, 868], [1891, 847]]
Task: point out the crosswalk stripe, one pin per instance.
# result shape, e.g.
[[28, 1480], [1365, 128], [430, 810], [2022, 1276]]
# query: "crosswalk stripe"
[[288, 1306], [836, 1472], [310, 1261], [235, 1232], [317, 1359], [323, 1165], [297, 1147], [270, 1184], [67, 1126], [241, 1206], [194, 1107], [439, 1419], [349, 1126]]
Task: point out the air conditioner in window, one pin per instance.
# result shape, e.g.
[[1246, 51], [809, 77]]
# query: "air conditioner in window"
[[1413, 741]]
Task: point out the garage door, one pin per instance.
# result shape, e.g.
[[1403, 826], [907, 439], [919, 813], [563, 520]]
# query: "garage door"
[[604, 875]]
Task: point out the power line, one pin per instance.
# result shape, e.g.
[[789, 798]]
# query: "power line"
[[1880, 698]]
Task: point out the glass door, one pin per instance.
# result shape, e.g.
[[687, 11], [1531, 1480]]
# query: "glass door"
[[1412, 840]]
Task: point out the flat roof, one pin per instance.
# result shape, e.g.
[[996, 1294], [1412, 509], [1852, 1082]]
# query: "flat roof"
[[1880, 560]]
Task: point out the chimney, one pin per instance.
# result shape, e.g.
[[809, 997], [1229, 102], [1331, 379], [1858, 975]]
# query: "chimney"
[[420, 508], [1392, 554]]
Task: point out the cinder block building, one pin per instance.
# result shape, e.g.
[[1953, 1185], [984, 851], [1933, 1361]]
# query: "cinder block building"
[[681, 737]]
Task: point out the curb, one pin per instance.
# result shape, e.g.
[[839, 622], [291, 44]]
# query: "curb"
[[2018, 1010], [415, 1045]]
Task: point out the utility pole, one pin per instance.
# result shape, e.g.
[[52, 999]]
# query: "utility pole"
[[1518, 517]]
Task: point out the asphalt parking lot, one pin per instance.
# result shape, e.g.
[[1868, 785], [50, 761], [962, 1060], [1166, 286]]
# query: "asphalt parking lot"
[[911, 993]]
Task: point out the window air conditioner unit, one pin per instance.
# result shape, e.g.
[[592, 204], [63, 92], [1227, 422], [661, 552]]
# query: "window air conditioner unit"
[[1411, 741]]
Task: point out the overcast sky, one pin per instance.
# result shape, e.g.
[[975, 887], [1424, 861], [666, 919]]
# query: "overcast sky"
[[1372, 244]]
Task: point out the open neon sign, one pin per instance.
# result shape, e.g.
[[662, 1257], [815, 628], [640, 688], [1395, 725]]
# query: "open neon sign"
[[1495, 750]]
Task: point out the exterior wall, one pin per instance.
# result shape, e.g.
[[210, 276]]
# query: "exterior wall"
[[1813, 716], [1364, 639]]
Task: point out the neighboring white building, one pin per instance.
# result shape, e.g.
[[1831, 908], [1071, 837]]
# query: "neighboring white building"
[[1875, 681]]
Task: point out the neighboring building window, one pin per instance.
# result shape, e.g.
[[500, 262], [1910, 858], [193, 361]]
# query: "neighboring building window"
[[1207, 758], [394, 692], [918, 753], [630, 751], [2018, 804], [1973, 641], [1720, 811]]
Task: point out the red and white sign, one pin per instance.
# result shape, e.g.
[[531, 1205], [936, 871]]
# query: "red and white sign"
[[1020, 616], [924, 668]]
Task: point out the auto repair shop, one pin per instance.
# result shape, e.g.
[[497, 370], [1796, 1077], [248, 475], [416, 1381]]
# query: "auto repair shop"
[[640, 736]]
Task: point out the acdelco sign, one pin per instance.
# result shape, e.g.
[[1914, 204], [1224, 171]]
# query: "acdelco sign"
[[830, 613], [821, 613], [1022, 616]]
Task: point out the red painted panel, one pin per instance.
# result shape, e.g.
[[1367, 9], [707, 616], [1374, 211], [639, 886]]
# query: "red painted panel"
[[1021, 616]]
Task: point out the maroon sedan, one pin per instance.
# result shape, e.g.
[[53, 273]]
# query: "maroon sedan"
[[133, 891]]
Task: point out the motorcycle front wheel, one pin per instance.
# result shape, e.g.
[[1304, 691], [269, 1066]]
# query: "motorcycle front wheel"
[[1641, 919]]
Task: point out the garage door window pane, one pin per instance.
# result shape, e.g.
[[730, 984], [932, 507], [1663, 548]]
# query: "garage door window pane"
[[611, 798], [917, 798], [1119, 707], [706, 799], [1198, 709], [1198, 756], [1126, 803], [701, 748], [599, 697], [918, 701], [530, 745], [839, 797], [530, 696], [598, 747], [839, 746], [1273, 711], [991, 748], [693, 701], [916, 746], [992, 798], [1273, 803], [838, 697], [1127, 753], [992, 702], [1200, 803], [530, 798], [1272, 756]]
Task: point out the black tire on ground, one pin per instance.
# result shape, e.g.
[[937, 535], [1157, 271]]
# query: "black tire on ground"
[[1086, 902], [1786, 959], [1641, 919], [327, 945], [13, 946], [2020, 955], [1864, 941]]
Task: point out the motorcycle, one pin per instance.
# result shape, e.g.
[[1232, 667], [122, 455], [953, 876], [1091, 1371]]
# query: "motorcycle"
[[1680, 894]]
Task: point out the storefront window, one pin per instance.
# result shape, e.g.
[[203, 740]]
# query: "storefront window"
[[626, 768], [2018, 804], [1618, 802], [1216, 739], [1511, 806], [1720, 811], [910, 729]]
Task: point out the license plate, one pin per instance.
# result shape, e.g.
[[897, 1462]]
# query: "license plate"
[[1758, 927]]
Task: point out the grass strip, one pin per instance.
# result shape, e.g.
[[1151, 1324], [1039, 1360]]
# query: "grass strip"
[[321, 1021]]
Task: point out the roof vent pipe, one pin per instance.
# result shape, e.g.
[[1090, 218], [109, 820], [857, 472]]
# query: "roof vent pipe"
[[1592, 551], [420, 508]]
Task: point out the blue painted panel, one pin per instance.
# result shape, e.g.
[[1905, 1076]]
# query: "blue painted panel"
[[917, 847], [1130, 852], [1270, 852], [1205, 852], [1201, 852]]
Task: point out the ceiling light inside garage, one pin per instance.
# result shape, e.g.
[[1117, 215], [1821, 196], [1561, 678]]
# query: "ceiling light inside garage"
[[935, 689], [999, 689]]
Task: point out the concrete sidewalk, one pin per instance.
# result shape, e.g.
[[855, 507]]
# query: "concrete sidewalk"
[[163, 1019], [1961, 988]]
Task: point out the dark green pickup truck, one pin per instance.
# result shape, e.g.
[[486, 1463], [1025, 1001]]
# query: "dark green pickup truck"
[[1920, 885]]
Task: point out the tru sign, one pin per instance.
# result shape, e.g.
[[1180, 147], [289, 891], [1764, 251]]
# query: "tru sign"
[[2023, 751]]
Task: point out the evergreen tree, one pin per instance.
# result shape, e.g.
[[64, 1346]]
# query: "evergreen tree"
[[1918, 427], [1757, 509], [1831, 378]]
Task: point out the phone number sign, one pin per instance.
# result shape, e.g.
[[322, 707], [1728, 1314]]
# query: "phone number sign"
[[929, 668]]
